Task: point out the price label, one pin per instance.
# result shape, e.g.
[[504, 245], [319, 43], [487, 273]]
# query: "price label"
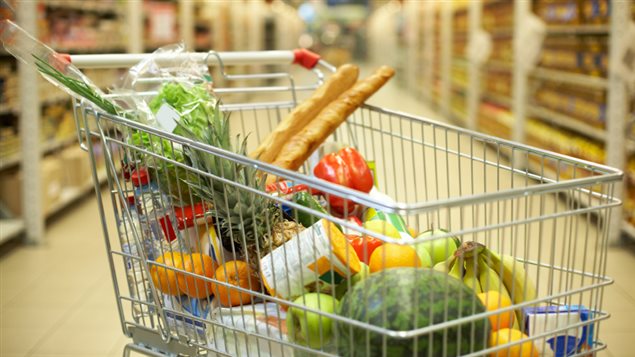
[[167, 117]]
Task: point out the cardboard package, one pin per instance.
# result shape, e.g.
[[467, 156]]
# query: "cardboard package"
[[51, 184], [76, 167]]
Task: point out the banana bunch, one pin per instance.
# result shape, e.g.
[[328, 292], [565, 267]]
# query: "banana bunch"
[[483, 270]]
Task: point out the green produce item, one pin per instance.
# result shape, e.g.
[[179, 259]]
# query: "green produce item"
[[307, 200], [403, 299], [196, 106], [439, 249], [309, 328]]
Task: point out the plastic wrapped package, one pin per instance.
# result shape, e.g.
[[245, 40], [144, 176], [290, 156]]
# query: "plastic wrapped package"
[[264, 319]]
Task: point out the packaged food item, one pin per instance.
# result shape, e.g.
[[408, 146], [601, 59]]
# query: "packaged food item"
[[371, 214], [154, 212], [138, 284], [544, 319], [178, 310], [264, 319], [318, 256]]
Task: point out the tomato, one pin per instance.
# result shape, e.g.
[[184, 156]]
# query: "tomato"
[[364, 246], [332, 168], [361, 177]]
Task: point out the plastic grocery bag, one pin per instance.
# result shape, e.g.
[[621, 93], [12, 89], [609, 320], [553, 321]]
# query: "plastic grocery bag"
[[171, 91], [54, 67], [264, 319]]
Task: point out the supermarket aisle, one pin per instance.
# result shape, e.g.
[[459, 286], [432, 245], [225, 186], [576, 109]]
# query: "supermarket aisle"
[[58, 300]]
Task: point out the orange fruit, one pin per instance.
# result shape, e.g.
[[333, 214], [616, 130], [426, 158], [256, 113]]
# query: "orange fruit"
[[236, 273], [493, 300], [505, 336], [391, 255], [199, 264], [165, 279]]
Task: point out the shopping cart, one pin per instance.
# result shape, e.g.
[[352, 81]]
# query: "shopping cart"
[[549, 211]]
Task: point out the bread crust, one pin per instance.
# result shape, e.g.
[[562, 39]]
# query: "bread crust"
[[295, 152], [343, 79]]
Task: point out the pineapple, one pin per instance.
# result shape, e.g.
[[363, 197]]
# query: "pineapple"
[[248, 220]]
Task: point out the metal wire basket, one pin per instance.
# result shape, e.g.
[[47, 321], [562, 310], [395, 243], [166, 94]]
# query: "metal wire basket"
[[475, 187]]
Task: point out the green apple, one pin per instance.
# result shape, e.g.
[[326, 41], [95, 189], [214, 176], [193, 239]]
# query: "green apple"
[[309, 328], [439, 249]]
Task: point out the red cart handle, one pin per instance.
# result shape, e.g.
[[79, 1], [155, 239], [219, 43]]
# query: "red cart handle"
[[305, 58]]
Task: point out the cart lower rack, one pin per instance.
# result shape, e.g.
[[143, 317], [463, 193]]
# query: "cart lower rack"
[[228, 275]]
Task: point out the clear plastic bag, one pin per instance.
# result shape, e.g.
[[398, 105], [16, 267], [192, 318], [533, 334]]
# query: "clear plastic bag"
[[171, 91]]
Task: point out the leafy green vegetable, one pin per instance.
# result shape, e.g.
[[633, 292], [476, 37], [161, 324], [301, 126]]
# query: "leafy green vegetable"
[[195, 104], [196, 107]]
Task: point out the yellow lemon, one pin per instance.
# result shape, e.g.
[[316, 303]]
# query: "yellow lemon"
[[382, 227]]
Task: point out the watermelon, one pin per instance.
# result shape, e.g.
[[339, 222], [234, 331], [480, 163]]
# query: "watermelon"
[[403, 299]]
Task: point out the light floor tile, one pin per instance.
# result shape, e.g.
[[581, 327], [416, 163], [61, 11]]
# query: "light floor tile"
[[32, 316], [75, 340], [20, 340]]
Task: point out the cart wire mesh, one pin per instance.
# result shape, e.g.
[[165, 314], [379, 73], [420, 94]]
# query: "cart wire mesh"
[[548, 211]]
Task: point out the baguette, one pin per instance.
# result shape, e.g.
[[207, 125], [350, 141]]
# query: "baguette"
[[304, 143], [340, 81]]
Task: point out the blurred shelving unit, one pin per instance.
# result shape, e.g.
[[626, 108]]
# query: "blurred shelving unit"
[[26, 161], [571, 101]]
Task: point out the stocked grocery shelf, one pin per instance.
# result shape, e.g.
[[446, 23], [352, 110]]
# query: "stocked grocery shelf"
[[629, 229], [72, 194], [497, 99], [577, 29], [10, 228], [98, 7], [6, 109], [498, 65], [568, 122], [47, 147], [570, 78]]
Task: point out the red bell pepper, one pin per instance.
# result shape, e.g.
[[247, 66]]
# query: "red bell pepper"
[[361, 177], [333, 169], [364, 246], [347, 168]]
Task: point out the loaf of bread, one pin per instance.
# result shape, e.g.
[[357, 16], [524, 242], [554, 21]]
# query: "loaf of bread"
[[345, 76], [304, 143]]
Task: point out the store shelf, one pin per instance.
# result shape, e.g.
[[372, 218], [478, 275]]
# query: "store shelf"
[[72, 194], [6, 109], [570, 78], [459, 86], [501, 32], [628, 229], [90, 49], [568, 122], [88, 6], [497, 99], [47, 147], [498, 65], [578, 29], [10, 228]]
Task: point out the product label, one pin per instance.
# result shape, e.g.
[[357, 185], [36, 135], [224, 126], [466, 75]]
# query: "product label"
[[317, 255], [167, 117], [565, 343]]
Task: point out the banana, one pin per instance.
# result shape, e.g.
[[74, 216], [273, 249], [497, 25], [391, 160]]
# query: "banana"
[[457, 269], [446, 265], [471, 277], [513, 275], [489, 279]]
